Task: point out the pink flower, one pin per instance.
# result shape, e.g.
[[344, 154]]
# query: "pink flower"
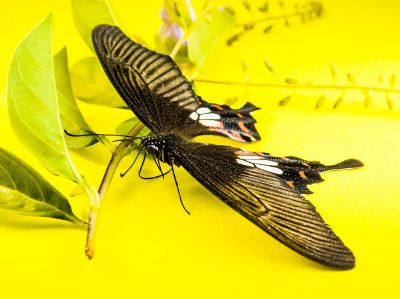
[[169, 29]]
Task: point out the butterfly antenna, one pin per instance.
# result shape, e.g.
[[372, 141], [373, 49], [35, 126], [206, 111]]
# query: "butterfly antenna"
[[122, 174], [177, 188], [97, 134], [126, 138]]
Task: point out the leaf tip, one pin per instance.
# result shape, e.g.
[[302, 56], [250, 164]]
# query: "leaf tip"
[[48, 18]]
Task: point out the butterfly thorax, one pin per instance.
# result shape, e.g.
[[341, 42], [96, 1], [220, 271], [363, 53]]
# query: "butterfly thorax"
[[162, 147]]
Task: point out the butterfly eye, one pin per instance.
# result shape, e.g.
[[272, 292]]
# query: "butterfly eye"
[[152, 149]]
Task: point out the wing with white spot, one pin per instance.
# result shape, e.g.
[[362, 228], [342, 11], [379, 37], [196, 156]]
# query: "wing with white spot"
[[254, 188], [153, 86], [150, 83], [214, 119], [298, 173]]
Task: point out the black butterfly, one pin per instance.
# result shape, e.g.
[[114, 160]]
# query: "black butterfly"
[[265, 189]]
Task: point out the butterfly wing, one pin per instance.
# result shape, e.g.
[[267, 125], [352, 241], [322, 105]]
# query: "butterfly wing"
[[257, 189], [155, 89], [298, 173], [150, 83], [214, 119]]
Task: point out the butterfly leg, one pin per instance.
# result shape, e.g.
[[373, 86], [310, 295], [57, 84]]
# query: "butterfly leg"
[[158, 166], [177, 188], [133, 163], [153, 177], [141, 166]]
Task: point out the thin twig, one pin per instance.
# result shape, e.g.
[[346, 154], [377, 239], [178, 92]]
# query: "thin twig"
[[302, 86], [278, 17], [116, 158], [189, 30]]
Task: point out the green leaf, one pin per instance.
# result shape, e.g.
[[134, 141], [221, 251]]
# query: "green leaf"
[[71, 117], [91, 85], [180, 12], [24, 191], [33, 103], [208, 33], [88, 14], [124, 127]]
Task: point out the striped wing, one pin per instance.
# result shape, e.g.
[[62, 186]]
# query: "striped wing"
[[256, 190], [155, 89], [297, 173], [151, 84]]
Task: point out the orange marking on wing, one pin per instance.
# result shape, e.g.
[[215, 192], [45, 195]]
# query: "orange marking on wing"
[[245, 153], [218, 107], [243, 127], [249, 154], [291, 184], [302, 174], [239, 115], [305, 164]]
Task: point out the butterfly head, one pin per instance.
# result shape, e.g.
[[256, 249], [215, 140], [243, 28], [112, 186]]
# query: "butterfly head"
[[153, 145], [161, 147]]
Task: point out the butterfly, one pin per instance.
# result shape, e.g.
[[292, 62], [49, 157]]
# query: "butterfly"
[[265, 189]]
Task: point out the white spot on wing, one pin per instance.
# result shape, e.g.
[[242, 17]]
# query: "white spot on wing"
[[266, 162], [209, 123], [203, 110], [194, 116], [259, 162], [245, 163], [210, 116], [270, 169]]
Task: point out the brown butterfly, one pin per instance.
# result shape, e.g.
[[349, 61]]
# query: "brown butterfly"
[[265, 189]]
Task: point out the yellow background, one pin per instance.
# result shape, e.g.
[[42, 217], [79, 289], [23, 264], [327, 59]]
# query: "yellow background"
[[148, 247]]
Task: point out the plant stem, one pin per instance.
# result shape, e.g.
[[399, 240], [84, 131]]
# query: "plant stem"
[[119, 152], [303, 86], [189, 30], [279, 17], [116, 157]]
